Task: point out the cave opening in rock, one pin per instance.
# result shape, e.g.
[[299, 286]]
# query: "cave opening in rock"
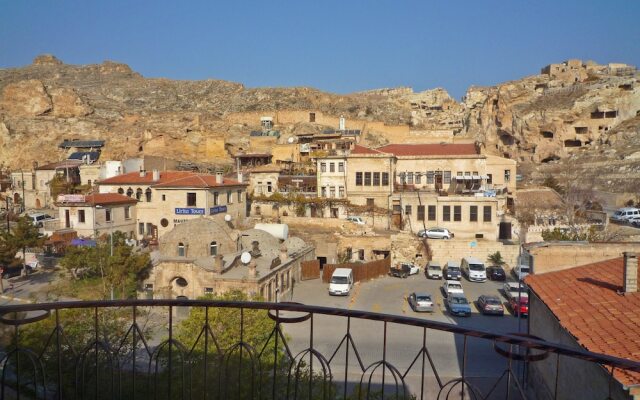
[[550, 159], [547, 134], [572, 143]]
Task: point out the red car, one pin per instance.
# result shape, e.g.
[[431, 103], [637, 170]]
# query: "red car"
[[523, 308]]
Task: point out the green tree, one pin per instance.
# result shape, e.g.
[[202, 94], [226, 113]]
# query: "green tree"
[[496, 259], [568, 235], [25, 234]]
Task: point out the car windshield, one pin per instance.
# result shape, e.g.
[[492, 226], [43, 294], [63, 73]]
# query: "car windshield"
[[453, 269], [455, 286], [423, 298], [339, 279], [476, 267], [434, 268], [492, 301], [459, 300]]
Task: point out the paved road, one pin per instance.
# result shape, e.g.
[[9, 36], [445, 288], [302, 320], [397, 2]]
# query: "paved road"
[[388, 295]]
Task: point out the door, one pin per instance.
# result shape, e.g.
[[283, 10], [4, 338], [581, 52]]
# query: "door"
[[67, 219]]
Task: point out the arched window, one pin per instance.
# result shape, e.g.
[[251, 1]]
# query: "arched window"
[[139, 194], [181, 252], [129, 192], [120, 191], [147, 194], [213, 248]]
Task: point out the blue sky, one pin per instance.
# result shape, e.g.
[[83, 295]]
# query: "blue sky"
[[337, 46]]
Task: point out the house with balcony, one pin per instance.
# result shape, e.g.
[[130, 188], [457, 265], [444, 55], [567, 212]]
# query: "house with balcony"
[[169, 198]]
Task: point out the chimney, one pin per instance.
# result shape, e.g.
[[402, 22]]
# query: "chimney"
[[283, 253], [156, 175], [218, 263], [252, 269], [240, 176], [219, 177], [255, 249], [630, 272], [142, 173]]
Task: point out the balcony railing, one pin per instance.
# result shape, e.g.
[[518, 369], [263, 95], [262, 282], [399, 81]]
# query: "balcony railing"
[[113, 349]]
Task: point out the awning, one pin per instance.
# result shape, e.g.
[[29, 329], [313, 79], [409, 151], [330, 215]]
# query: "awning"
[[459, 178], [468, 178], [83, 242], [485, 177]]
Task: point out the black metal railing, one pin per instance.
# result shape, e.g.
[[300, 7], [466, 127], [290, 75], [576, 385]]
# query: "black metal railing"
[[138, 349]]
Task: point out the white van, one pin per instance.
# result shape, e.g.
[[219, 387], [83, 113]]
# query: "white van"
[[38, 218], [341, 282], [474, 269], [624, 214]]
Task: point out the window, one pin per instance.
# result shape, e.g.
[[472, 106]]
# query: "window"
[[216, 198], [341, 191], [507, 175], [129, 192], [376, 179], [107, 214], [140, 228], [147, 195], [430, 177], [432, 213], [332, 191], [418, 177], [489, 179], [340, 167], [312, 117], [358, 178], [208, 290], [139, 194], [370, 203], [487, 214], [407, 209], [213, 248], [81, 216], [164, 197], [367, 178], [164, 222], [385, 179], [420, 213], [259, 187], [239, 196], [473, 213], [457, 213], [191, 200], [361, 254], [447, 176], [229, 195], [181, 251], [332, 167], [410, 178], [323, 167], [88, 183], [120, 191], [324, 192], [127, 212], [446, 213]]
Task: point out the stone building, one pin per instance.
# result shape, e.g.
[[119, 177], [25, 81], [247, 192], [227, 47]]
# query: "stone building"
[[97, 214], [167, 199], [204, 256], [32, 188], [600, 314]]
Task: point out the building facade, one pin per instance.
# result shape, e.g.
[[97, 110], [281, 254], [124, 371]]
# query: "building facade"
[[97, 214]]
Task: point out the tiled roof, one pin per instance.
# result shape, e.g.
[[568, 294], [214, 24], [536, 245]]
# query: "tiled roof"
[[357, 149], [169, 179], [102, 199], [433, 149], [588, 305], [60, 164]]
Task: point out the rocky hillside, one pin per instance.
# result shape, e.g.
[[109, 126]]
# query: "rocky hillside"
[[581, 115]]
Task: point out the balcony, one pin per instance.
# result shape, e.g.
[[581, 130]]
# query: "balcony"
[[131, 349]]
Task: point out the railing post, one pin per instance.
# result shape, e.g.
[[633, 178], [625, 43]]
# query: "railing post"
[[59, 355]]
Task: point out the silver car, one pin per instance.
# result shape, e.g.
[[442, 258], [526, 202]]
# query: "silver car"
[[421, 302], [435, 233]]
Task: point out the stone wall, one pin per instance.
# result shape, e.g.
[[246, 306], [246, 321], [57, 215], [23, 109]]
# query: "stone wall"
[[456, 249], [558, 256]]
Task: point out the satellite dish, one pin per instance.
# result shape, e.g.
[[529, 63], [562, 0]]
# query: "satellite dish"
[[227, 218], [245, 257], [291, 140]]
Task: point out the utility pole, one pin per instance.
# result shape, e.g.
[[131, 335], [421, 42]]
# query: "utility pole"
[[23, 206]]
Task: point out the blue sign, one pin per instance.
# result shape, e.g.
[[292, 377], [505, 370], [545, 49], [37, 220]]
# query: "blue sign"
[[217, 210], [190, 211]]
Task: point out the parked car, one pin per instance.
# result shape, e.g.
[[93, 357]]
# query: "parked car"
[[490, 305], [452, 287], [459, 305], [434, 270], [421, 302], [356, 220], [403, 270], [496, 273], [10, 272], [519, 305], [635, 221], [435, 233], [625, 213], [512, 289], [38, 218], [341, 282], [452, 271], [520, 271], [474, 269]]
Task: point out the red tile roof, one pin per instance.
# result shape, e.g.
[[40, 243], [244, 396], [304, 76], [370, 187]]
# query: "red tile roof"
[[588, 305], [434, 149], [357, 149], [102, 199], [169, 179]]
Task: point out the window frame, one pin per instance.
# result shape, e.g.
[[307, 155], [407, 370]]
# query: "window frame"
[[446, 213], [473, 213], [359, 178], [457, 213], [432, 213], [192, 199]]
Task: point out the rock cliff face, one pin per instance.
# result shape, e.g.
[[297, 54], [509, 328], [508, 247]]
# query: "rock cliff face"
[[571, 113]]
